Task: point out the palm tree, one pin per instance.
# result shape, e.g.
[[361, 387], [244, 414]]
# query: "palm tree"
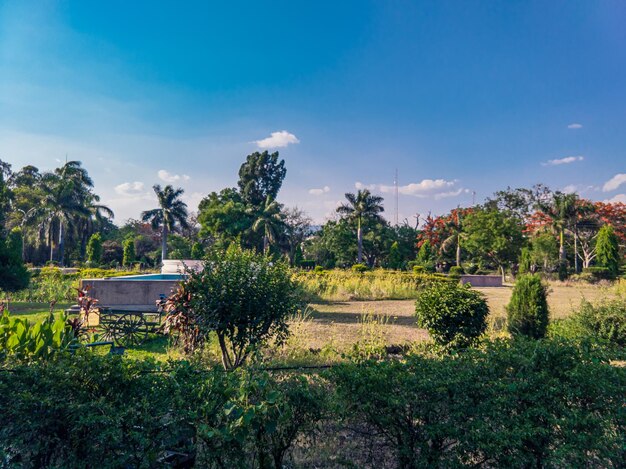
[[361, 206], [455, 224], [561, 209], [171, 212], [270, 221], [65, 193]]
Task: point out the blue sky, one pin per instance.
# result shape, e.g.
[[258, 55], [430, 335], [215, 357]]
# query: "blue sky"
[[458, 96]]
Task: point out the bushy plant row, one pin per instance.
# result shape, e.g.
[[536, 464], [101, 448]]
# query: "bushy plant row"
[[52, 284], [510, 404], [338, 285]]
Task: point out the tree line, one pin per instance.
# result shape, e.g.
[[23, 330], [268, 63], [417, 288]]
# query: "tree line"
[[57, 217]]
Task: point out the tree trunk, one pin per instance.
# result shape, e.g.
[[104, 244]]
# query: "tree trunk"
[[359, 239], [61, 244], [164, 243], [458, 251], [575, 250], [503, 273], [562, 256], [266, 243]]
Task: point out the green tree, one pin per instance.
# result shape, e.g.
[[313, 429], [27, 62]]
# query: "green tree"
[[607, 250], [171, 214], [225, 218], [297, 227], [197, 251], [243, 297], [361, 206], [261, 177], [495, 236], [394, 259], [13, 273], [129, 252], [94, 249], [269, 221], [527, 311], [561, 209]]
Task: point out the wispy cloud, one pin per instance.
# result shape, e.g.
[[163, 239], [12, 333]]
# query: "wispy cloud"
[[435, 188], [129, 188], [168, 177], [618, 198], [560, 161], [321, 191], [614, 182], [278, 139], [575, 125]]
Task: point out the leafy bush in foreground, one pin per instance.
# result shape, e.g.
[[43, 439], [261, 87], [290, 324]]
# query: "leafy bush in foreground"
[[454, 315], [241, 296], [513, 404], [23, 340], [527, 311]]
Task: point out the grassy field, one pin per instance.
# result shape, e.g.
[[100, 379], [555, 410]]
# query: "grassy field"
[[338, 325]]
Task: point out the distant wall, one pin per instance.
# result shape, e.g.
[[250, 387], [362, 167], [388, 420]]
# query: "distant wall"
[[482, 280]]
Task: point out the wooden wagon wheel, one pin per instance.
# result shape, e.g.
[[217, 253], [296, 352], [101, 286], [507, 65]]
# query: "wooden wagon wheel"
[[107, 325], [130, 329]]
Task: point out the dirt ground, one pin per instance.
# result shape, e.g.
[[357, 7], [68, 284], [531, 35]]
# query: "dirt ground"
[[343, 323]]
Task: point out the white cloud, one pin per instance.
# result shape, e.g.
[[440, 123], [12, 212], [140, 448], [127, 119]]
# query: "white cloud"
[[614, 182], [618, 198], [575, 126], [570, 189], [277, 140], [321, 191], [436, 188], [129, 188], [566, 160], [168, 177]]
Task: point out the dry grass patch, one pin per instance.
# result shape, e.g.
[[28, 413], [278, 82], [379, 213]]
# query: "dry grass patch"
[[342, 324]]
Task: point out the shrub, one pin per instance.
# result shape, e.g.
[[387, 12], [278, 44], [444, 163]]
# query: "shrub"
[[22, 340], [607, 249], [598, 273], [241, 296], [129, 252], [359, 268], [455, 316], [94, 249], [510, 404], [605, 321], [455, 271], [307, 264], [419, 269], [197, 251], [527, 311]]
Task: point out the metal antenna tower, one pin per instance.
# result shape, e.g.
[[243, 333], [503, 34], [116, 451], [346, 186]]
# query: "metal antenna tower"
[[395, 193]]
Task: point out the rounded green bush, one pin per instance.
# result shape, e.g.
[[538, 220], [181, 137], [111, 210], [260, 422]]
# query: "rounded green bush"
[[454, 315], [419, 269], [359, 268], [456, 271], [527, 312]]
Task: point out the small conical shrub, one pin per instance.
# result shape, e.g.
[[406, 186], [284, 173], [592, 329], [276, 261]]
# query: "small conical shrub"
[[528, 309]]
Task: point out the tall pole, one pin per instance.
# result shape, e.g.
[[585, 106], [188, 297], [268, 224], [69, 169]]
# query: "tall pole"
[[395, 189]]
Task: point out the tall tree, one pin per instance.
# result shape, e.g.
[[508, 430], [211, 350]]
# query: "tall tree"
[[360, 207], [297, 228], [494, 235], [269, 221], [65, 194], [561, 210], [171, 214], [261, 177]]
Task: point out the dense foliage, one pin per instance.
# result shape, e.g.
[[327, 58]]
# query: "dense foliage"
[[509, 404], [527, 311], [243, 297], [455, 316]]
